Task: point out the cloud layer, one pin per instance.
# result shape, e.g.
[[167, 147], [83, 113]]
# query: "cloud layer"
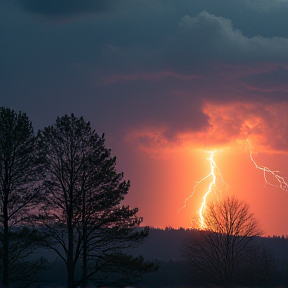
[[156, 71]]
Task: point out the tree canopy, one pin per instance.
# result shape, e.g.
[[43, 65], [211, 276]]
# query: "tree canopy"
[[82, 209]]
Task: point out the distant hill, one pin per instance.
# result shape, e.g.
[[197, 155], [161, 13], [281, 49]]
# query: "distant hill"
[[165, 244], [162, 244]]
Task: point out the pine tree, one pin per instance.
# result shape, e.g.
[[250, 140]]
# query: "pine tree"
[[19, 176], [82, 210]]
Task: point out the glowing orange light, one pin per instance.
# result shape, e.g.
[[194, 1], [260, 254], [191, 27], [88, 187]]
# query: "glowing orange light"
[[212, 186], [282, 184]]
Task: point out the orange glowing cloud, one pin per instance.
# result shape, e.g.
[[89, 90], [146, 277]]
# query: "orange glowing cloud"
[[265, 124], [229, 125]]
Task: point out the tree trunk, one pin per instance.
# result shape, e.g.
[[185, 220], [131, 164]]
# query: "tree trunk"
[[5, 242], [70, 254], [84, 280], [84, 270]]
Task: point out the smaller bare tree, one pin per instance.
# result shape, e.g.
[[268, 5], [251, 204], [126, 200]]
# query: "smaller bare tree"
[[215, 252]]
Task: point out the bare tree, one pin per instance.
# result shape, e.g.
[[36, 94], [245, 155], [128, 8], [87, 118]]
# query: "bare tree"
[[19, 174], [82, 210], [215, 252]]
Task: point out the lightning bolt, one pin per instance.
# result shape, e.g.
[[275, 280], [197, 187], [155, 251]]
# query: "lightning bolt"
[[282, 184], [214, 174], [211, 186]]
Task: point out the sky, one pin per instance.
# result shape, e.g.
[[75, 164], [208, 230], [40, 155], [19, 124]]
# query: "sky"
[[167, 81]]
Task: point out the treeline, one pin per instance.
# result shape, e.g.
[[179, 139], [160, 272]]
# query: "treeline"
[[59, 190], [265, 266], [173, 274], [165, 244]]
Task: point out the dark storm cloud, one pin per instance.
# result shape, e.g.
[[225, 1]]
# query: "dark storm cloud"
[[142, 63], [270, 82], [60, 8], [206, 37], [197, 55], [144, 103]]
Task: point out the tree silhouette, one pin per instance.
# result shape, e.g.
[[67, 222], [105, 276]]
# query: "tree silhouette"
[[215, 252], [260, 268], [82, 211], [19, 174]]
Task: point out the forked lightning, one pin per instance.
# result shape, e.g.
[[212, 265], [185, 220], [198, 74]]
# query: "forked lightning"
[[214, 174], [282, 184]]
